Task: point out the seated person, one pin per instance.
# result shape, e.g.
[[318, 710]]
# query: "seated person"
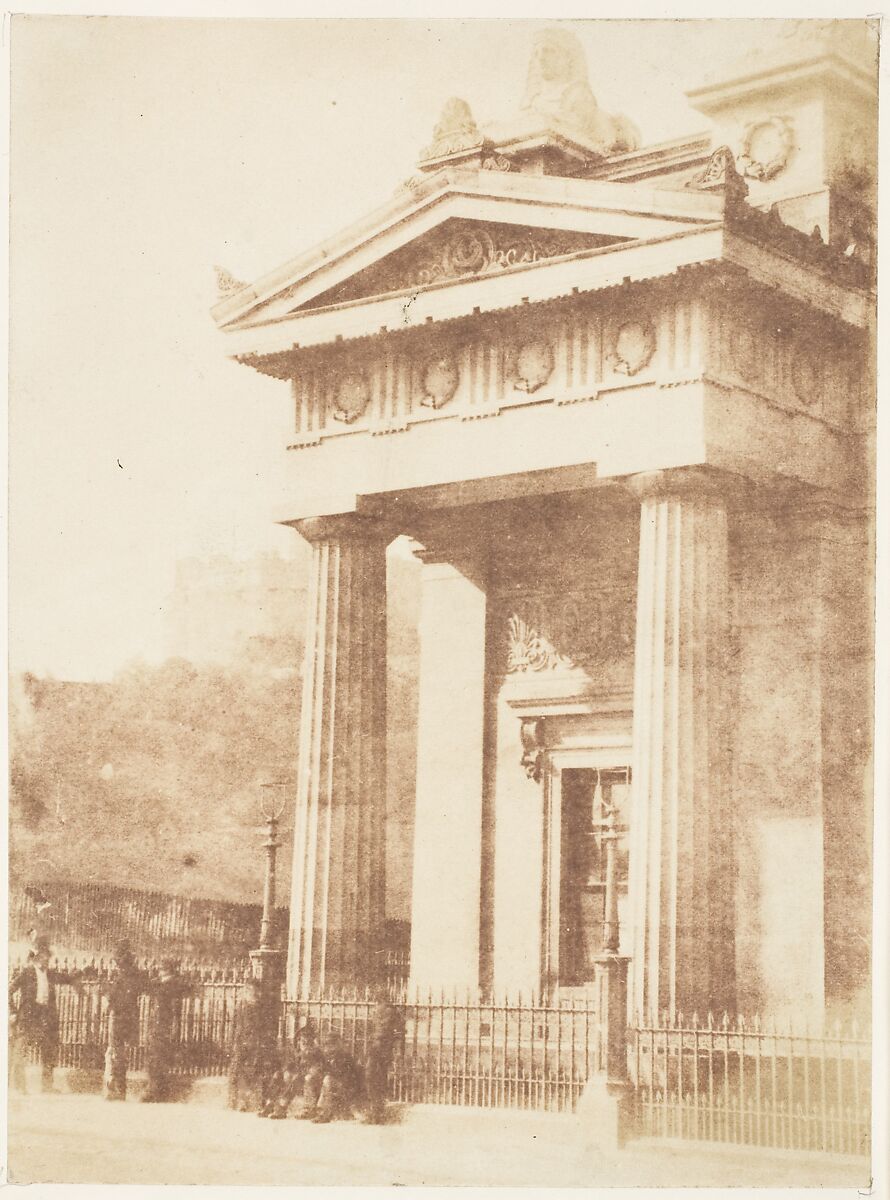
[[341, 1084], [308, 1068], [280, 1091]]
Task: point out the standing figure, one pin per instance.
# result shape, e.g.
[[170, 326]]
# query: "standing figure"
[[249, 1064], [17, 1046], [33, 1000], [165, 1009], [386, 1032], [122, 990]]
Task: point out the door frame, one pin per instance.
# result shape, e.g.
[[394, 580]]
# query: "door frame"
[[606, 749]]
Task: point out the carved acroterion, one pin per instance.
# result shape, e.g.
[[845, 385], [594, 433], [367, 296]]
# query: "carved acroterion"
[[455, 131], [226, 283], [550, 631], [721, 175]]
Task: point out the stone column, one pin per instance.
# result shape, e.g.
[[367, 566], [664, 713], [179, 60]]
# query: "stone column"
[[337, 895], [446, 896], [681, 868]]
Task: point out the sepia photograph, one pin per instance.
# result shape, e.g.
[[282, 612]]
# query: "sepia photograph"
[[442, 593]]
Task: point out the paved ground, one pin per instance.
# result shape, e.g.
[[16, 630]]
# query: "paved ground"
[[82, 1139]]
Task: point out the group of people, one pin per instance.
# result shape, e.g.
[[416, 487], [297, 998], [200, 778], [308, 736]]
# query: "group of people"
[[312, 1077], [34, 1018]]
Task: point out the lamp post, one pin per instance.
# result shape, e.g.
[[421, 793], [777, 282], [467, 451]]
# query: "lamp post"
[[610, 908], [611, 991], [267, 957]]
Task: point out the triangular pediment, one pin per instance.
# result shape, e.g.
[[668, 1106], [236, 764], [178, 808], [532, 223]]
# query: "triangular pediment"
[[458, 225], [460, 249]]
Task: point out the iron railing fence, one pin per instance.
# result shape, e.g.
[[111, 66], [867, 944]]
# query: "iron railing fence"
[[206, 1022], [521, 1053], [735, 1081], [752, 1083]]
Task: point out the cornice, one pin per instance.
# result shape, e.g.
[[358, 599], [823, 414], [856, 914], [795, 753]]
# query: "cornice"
[[339, 527], [664, 158], [585, 196], [513, 289]]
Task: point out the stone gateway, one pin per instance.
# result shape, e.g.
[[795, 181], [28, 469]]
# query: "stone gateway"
[[621, 397]]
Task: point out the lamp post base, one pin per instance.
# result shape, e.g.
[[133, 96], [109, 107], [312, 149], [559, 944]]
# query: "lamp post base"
[[268, 972], [268, 965], [606, 1112]]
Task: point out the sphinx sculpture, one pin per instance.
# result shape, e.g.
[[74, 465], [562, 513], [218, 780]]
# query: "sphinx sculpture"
[[558, 88]]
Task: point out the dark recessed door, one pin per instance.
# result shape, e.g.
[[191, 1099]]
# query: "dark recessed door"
[[587, 794]]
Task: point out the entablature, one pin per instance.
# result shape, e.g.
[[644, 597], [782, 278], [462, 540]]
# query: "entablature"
[[565, 352]]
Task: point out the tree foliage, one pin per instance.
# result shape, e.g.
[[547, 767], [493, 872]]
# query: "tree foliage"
[[150, 780]]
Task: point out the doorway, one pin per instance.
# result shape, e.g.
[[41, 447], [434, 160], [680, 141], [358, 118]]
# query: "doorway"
[[587, 792]]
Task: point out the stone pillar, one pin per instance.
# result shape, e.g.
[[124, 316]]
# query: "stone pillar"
[[447, 880], [337, 894], [681, 868]]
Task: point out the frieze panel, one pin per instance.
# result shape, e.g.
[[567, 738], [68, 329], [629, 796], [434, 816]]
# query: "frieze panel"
[[559, 631], [793, 360], [565, 353]]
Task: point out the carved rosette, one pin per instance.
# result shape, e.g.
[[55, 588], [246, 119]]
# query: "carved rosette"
[[766, 148], [440, 378], [352, 397], [631, 345], [533, 366]]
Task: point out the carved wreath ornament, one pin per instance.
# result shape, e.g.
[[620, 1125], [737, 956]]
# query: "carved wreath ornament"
[[352, 397], [766, 148], [440, 379], [631, 346], [806, 376], [534, 365]]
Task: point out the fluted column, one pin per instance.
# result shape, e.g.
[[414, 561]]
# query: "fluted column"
[[681, 869], [337, 896]]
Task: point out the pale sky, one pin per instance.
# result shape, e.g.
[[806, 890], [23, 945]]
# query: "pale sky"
[[144, 151]]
